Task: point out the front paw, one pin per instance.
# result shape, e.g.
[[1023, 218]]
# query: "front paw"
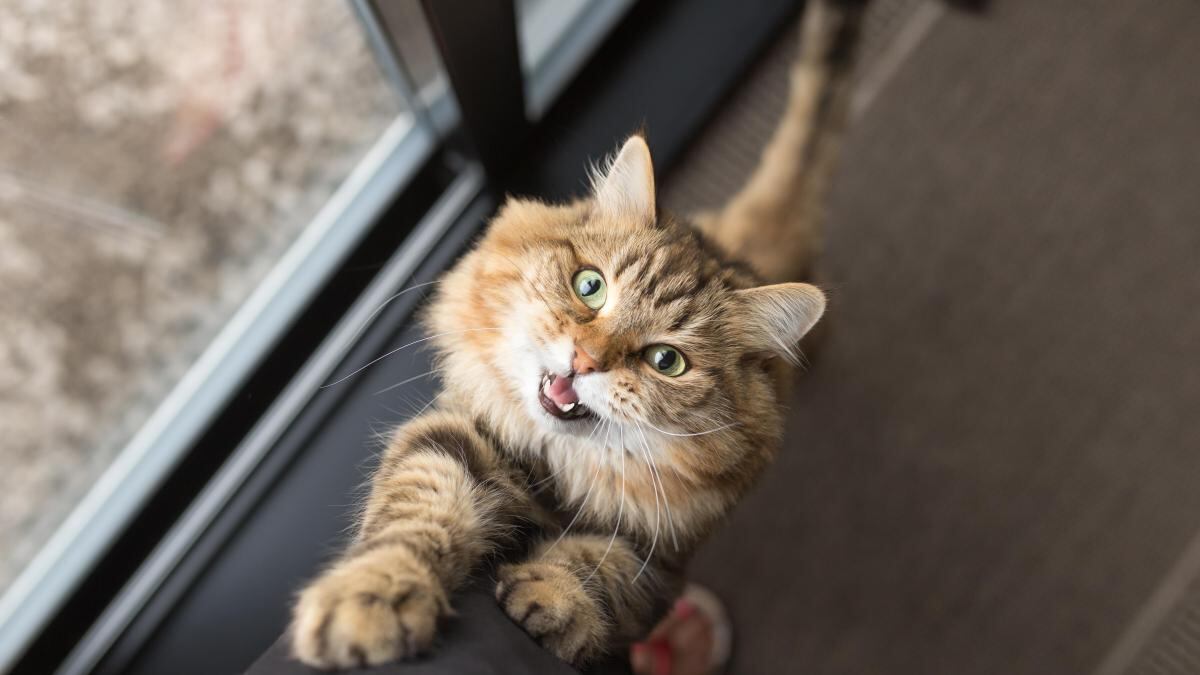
[[359, 615], [551, 605]]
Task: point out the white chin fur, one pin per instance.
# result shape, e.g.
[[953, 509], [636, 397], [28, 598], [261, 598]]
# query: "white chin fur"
[[592, 392]]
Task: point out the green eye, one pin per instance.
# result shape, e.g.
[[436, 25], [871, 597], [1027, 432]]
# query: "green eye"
[[665, 359], [590, 288]]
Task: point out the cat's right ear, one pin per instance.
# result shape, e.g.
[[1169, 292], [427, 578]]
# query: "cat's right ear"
[[624, 191], [774, 318]]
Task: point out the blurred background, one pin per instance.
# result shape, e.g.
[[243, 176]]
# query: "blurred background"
[[992, 465]]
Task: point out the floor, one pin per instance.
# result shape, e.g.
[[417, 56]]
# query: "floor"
[[993, 465]]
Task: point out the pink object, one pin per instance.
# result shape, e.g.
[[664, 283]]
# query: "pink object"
[[684, 608], [662, 657], [561, 392]]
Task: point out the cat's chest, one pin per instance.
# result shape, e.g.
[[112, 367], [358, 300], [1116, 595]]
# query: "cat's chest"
[[544, 496]]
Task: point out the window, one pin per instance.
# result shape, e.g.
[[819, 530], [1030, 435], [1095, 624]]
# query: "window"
[[176, 180], [556, 37]]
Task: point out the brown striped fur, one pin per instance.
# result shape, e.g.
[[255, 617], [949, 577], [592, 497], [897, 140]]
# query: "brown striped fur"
[[593, 520]]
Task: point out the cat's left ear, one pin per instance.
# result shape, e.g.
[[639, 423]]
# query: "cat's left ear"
[[774, 318], [625, 191]]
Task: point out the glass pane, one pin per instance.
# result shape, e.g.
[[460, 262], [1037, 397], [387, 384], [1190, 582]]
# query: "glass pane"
[[156, 160], [541, 23], [412, 38], [555, 38]]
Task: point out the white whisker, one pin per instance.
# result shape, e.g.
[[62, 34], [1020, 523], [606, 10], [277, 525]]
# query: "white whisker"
[[429, 403], [658, 476], [657, 515], [401, 348], [620, 513], [367, 322], [698, 433], [582, 504], [401, 383]]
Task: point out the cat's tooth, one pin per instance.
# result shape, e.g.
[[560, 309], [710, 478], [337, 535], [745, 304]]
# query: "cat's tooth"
[[567, 408]]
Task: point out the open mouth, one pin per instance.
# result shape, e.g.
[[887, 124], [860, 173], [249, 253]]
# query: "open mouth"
[[558, 397]]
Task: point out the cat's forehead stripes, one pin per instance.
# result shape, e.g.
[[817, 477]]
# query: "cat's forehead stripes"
[[562, 243], [668, 283], [668, 278]]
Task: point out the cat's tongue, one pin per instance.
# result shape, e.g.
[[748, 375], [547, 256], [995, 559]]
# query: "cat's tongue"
[[561, 392]]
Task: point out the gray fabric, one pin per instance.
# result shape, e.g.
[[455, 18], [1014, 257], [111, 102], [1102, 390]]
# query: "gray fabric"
[[996, 456]]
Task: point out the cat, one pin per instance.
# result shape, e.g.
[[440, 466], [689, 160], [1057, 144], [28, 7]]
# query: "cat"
[[613, 384]]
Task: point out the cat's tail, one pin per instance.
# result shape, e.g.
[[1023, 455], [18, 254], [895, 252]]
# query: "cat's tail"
[[774, 222]]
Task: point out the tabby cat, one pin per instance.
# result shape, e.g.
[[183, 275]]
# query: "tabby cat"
[[613, 385]]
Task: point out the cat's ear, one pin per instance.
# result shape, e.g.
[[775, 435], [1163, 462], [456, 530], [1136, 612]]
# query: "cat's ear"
[[624, 190], [774, 318]]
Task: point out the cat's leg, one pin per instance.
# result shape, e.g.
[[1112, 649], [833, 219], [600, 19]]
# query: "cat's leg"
[[438, 503], [579, 597]]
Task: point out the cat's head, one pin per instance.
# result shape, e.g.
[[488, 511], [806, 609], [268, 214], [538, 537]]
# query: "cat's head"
[[605, 319]]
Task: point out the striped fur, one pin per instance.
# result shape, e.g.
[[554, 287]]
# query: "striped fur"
[[591, 521]]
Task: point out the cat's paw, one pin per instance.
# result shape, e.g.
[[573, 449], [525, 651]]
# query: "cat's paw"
[[551, 605], [358, 615]]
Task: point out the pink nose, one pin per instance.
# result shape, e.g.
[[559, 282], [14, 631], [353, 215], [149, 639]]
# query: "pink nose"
[[583, 363]]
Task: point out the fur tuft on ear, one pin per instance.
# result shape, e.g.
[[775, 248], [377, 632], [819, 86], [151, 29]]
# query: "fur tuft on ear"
[[774, 318], [624, 186]]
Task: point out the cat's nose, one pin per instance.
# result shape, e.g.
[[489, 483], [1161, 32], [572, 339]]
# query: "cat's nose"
[[583, 363]]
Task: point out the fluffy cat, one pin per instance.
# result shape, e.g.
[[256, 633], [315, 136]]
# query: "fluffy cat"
[[613, 385]]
